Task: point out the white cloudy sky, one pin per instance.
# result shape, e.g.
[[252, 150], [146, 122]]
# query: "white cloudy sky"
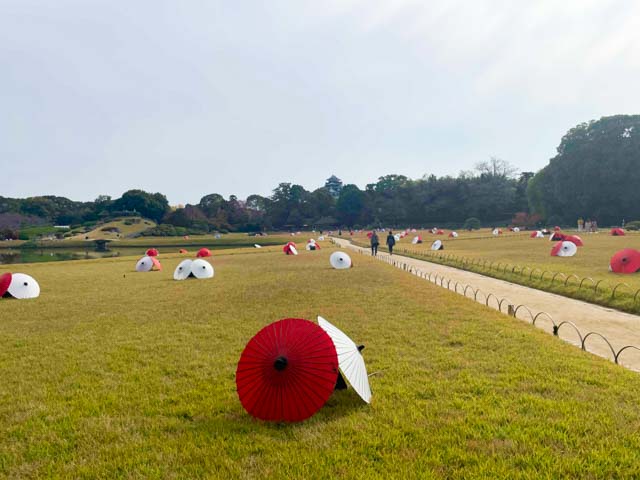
[[200, 96]]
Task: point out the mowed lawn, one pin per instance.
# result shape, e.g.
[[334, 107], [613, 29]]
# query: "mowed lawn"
[[113, 373]]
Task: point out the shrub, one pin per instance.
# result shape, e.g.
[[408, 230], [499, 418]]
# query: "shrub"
[[635, 225], [472, 223]]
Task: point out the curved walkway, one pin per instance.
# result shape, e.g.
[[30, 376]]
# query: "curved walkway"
[[619, 328]]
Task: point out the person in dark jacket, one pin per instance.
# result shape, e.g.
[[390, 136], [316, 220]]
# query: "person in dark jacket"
[[375, 241], [391, 241]]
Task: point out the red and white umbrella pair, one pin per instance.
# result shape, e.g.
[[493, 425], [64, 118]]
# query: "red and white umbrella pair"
[[147, 264], [290, 249], [417, 239], [564, 249], [18, 285], [312, 245], [290, 368]]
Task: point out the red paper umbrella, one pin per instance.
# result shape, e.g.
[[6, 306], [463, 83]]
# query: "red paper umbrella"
[[5, 281], [203, 252], [152, 252], [182, 250], [287, 371], [440, 232], [625, 261], [290, 249], [574, 239], [617, 232], [370, 234]]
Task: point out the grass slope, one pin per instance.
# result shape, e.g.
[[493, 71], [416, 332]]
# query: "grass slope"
[[112, 373]]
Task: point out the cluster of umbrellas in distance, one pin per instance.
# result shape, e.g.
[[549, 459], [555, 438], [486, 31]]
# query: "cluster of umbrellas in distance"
[[312, 245], [290, 368], [18, 285]]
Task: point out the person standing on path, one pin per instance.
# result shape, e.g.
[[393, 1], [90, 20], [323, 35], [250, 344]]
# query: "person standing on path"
[[391, 241], [375, 241]]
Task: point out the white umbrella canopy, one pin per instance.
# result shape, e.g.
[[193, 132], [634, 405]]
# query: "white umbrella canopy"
[[201, 269], [349, 359], [437, 245], [23, 286], [183, 270], [145, 264], [340, 260]]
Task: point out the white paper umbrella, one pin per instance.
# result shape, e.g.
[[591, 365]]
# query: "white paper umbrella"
[[516, 229], [397, 237], [437, 245], [311, 246], [564, 249], [145, 264], [201, 269], [183, 270], [349, 359], [23, 286], [293, 250], [340, 260], [257, 246]]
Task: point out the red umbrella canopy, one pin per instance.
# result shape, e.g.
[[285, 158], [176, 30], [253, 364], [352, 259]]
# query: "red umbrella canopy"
[[370, 234], [574, 239], [287, 371], [152, 252], [182, 250], [617, 232], [287, 248], [440, 232], [203, 252], [5, 281], [625, 261], [557, 237]]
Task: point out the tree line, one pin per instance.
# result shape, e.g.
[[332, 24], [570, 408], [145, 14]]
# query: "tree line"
[[594, 175]]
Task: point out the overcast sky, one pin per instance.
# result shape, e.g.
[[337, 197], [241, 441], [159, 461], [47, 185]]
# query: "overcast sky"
[[201, 96]]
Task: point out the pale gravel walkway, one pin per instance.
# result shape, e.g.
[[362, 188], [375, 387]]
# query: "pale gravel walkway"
[[619, 328]]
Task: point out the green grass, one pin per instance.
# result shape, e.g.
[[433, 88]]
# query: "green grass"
[[112, 373], [497, 257]]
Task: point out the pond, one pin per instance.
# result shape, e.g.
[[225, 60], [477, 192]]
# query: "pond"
[[13, 256]]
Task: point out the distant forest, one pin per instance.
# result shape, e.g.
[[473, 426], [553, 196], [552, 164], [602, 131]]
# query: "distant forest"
[[595, 174]]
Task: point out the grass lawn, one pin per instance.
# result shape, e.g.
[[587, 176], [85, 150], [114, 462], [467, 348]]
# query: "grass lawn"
[[112, 373], [503, 253]]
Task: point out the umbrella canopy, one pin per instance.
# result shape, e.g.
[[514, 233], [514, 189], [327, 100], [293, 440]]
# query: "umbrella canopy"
[[5, 281], [183, 270], [350, 359], [23, 286], [152, 252], [617, 232], [290, 249], [203, 252], [397, 237], [574, 239], [369, 235], [556, 228], [437, 245], [516, 229], [497, 231], [145, 264], [156, 263], [312, 246], [417, 239], [287, 371], [625, 261], [537, 234], [201, 269], [557, 237], [440, 232], [182, 250], [257, 246], [453, 235], [340, 260], [564, 249]]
